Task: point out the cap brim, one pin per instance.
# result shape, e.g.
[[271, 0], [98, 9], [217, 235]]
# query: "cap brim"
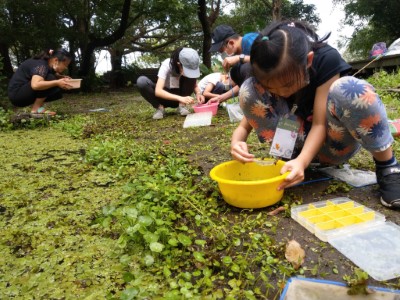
[[190, 73], [215, 47]]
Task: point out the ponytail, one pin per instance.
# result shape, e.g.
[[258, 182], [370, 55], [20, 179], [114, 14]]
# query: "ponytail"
[[174, 61]]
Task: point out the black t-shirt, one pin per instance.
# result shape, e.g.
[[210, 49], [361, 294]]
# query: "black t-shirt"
[[26, 71], [327, 63]]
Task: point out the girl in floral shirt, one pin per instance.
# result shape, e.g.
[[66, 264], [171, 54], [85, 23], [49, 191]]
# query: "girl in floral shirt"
[[299, 76]]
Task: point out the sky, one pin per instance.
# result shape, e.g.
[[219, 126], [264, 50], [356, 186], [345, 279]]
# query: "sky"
[[331, 16]]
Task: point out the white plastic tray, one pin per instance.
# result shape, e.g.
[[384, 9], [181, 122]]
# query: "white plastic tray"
[[334, 217], [359, 233], [198, 119]]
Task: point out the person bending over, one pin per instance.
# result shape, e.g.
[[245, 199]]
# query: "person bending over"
[[217, 87], [298, 76], [38, 80], [175, 84]]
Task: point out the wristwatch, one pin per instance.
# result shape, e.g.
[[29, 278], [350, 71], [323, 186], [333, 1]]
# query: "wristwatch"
[[241, 58]]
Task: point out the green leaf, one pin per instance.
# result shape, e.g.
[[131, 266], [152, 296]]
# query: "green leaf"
[[167, 272], [128, 277], [235, 268], [145, 220], [125, 259], [207, 272], [150, 237], [199, 256], [200, 242], [184, 239], [156, 247], [129, 294], [149, 259], [122, 241], [227, 260], [173, 242]]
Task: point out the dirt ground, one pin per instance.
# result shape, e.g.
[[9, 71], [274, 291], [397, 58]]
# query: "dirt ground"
[[331, 264]]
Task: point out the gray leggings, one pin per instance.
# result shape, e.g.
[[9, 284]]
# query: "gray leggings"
[[147, 89]]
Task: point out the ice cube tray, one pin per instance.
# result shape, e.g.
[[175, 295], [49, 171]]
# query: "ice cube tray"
[[334, 217]]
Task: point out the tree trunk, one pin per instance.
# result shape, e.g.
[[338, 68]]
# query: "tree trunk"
[[7, 66], [202, 14], [87, 64], [276, 10], [206, 24], [117, 79]]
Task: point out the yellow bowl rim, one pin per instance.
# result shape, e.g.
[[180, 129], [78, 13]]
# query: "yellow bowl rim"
[[238, 182]]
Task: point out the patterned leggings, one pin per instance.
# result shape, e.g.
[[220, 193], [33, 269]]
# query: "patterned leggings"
[[356, 117]]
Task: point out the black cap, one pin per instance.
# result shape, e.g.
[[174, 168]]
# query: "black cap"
[[219, 35]]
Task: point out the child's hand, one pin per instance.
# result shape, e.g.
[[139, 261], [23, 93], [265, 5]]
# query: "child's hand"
[[200, 98], [240, 152], [186, 100], [296, 175], [215, 100]]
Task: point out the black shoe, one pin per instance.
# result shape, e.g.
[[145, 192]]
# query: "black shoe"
[[389, 185]]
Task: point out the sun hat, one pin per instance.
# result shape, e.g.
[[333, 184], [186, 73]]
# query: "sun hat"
[[189, 58], [219, 35]]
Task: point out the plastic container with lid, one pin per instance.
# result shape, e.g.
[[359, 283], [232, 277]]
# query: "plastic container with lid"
[[359, 233]]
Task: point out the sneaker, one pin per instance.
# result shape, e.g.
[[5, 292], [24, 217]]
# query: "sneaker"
[[159, 114], [389, 185], [183, 111]]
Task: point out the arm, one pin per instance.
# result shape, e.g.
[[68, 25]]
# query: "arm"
[[207, 91], [58, 75], [199, 96], [233, 60], [160, 92], [315, 138], [39, 84], [239, 149], [225, 96]]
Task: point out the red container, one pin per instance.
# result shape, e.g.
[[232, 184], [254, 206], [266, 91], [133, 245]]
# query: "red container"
[[213, 107], [394, 127]]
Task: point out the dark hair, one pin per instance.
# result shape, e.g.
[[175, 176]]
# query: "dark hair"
[[60, 54], [174, 61], [281, 50], [240, 72]]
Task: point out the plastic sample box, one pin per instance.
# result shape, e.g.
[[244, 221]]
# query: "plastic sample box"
[[328, 218], [359, 233]]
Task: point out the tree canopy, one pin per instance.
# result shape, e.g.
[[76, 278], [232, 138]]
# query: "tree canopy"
[[151, 27], [373, 21]]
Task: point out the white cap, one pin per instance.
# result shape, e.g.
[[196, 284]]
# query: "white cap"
[[189, 58]]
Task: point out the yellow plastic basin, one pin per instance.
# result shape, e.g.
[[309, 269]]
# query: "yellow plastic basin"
[[249, 185]]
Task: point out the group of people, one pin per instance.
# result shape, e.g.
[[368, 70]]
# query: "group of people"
[[286, 72], [177, 76]]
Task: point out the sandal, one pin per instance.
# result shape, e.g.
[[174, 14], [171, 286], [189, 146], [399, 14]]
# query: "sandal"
[[42, 112]]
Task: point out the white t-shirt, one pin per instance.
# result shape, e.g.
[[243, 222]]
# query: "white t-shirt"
[[210, 78], [165, 72]]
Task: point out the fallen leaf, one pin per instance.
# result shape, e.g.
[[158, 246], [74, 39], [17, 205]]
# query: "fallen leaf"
[[294, 254], [276, 211]]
